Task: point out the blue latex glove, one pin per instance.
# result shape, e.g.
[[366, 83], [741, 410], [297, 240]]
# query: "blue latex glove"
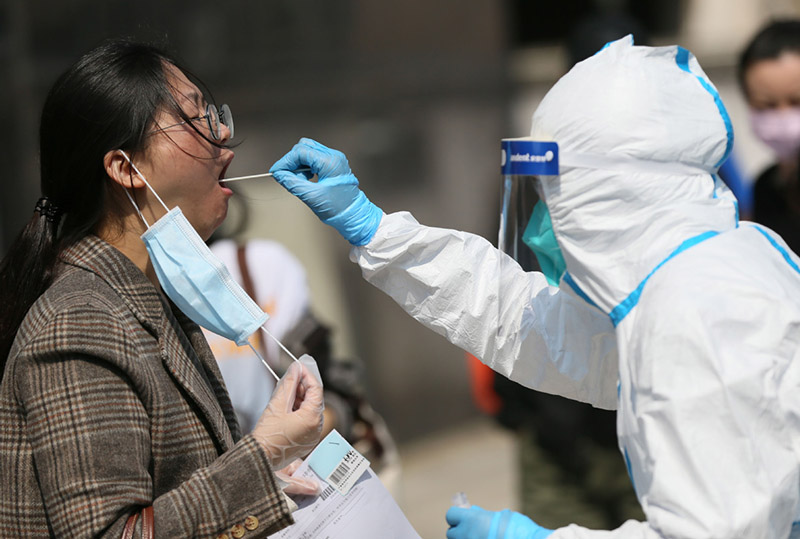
[[476, 523], [335, 197]]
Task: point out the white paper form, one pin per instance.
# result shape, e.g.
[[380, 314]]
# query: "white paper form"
[[367, 512]]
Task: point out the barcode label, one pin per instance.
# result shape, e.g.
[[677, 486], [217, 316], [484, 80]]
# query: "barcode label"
[[327, 492], [350, 469]]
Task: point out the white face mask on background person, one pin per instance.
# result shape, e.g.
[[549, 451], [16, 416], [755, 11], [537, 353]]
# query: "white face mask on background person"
[[194, 278], [778, 129]]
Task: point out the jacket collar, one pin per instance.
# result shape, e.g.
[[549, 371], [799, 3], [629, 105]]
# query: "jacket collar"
[[134, 288]]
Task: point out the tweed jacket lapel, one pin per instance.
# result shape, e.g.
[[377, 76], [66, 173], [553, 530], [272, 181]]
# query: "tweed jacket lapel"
[[200, 375], [210, 365], [180, 347]]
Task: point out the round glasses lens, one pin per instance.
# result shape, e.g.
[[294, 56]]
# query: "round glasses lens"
[[226, 117], [213, 121]]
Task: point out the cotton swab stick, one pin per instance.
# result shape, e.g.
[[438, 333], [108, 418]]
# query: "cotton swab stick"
[[223, 180], [253, 176]]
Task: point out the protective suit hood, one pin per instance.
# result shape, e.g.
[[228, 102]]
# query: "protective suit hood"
[[641, 134]]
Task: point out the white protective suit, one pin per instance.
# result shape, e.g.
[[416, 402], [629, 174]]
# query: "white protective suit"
[[696, 343]]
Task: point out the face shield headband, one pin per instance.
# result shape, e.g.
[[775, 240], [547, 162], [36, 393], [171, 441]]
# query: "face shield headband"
[[526, 232]]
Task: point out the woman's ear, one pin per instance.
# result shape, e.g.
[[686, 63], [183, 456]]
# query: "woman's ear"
[[121, 170]]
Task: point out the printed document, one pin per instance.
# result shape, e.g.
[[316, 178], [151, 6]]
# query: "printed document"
[[366, 511]]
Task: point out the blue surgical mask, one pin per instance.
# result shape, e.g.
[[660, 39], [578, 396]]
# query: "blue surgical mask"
[[541, 239], [195, 279]]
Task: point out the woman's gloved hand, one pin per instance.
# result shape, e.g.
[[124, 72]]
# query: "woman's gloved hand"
[[335, 197], [297, 485], [291, 425], [476, 523]]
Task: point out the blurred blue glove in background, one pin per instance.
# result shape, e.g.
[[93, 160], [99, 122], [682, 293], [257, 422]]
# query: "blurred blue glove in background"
[[476, 523], [335, 197]]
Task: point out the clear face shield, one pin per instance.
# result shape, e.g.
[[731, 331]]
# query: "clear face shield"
[[526, 233]]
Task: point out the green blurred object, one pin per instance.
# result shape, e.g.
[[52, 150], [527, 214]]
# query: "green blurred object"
[[595, 493]]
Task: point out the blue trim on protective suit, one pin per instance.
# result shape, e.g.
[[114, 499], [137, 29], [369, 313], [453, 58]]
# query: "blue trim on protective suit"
[[621, 311], [780, 249], [682, 59], [567, 278], [731, 173], [629, 467]]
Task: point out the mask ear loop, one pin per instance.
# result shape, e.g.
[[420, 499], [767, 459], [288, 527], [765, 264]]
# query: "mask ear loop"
[[148, 186], [264, 361], [259, 356], [314, 371], [274, 338]]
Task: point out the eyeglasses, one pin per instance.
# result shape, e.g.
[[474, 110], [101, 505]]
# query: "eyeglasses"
[[214, 118]]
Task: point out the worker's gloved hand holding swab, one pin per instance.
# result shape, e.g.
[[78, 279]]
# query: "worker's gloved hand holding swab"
[[335, 197]]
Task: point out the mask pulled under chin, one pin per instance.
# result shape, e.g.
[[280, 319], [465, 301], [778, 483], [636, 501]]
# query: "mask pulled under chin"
[[194, 278], [198, 282]]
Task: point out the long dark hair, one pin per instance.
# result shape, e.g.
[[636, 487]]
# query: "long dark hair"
[[106, 100]]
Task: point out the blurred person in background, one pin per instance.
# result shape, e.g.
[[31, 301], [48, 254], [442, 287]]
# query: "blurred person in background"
[[769, 75], [669, 309], [276, 280], [111, 403]]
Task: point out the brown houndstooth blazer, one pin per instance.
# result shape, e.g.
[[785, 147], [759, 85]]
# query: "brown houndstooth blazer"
[[109, 403]]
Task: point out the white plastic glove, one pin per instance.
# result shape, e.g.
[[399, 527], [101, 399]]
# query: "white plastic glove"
[[297, 485], [291, 425]]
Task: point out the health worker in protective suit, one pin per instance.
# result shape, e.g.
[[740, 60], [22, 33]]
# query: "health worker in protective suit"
[[668, 309]]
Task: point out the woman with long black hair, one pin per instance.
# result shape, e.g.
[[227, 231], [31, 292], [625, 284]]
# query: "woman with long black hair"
[[111, 403]]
